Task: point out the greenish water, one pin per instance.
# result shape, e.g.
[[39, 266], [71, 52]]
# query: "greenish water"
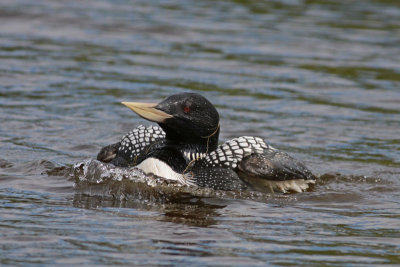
[[317, 79]]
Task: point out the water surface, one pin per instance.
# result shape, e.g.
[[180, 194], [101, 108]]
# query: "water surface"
[[317, 79]]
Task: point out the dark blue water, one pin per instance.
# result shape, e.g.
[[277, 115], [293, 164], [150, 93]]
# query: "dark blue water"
[[317, 79]]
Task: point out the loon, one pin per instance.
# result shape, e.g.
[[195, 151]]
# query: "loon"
[[184, 147]]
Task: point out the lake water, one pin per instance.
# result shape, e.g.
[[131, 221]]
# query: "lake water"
[[317, 79]]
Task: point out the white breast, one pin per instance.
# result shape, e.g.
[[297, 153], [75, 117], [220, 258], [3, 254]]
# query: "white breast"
[[161, 169]]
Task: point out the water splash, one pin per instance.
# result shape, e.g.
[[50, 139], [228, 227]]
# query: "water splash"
[[97, 178]]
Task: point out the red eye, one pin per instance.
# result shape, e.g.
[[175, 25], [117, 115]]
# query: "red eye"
[[186, 109]]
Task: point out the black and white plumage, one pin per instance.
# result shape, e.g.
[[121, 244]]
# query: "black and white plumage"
[[256, 163], [134, 142], [184, 148], [125, 152], [231, 153]]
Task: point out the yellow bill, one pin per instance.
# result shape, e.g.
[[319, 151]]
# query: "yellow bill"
[[148, 111]]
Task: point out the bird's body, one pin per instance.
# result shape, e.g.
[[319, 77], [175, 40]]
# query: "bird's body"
[[185, 148]]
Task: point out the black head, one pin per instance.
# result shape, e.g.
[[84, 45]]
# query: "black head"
[[186, 118]]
